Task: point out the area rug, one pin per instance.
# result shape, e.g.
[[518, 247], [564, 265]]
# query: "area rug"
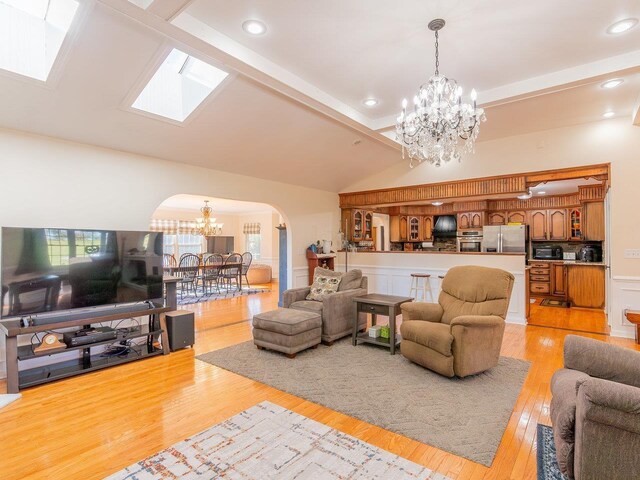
[[201, 296], [547, 302], [466, 417], [547, 460], [268, 441]]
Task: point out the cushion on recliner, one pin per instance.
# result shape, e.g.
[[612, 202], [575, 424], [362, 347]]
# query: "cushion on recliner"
[[436, 336], [472, 290], [564, 388], [350, 280], [307, 305]]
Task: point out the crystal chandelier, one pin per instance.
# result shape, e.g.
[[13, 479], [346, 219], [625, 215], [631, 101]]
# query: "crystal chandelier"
[[440, 128], [206, 225]]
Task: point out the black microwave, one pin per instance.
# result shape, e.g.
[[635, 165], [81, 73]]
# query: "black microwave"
[[547, 252]]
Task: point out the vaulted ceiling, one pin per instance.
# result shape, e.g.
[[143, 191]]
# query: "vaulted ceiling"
[[292, 110]]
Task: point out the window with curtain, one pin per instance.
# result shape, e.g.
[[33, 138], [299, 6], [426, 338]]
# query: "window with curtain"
[[179, 244], [252, 239]]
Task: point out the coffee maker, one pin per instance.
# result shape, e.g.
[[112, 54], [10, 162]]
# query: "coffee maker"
[[590, 253]]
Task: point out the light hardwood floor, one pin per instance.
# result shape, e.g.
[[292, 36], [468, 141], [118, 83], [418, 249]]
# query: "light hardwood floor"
[[90, 426], [586, 320]]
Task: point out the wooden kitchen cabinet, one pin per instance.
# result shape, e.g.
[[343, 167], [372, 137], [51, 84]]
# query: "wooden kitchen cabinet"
[[593, 221], [470, 220], [394, 228], [559, 280], [358, 224], [497, 218], [427, 228], [540, 278], [586, 285], [368, 225], [404, 228], [574, 216], [548, 224], [519, 216], [557, 224], [538, 225], [414, 229]]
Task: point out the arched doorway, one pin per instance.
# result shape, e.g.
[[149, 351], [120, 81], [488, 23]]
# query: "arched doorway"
[[242, 226]]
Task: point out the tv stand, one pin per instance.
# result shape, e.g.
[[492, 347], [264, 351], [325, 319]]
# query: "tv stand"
[[157, 343]]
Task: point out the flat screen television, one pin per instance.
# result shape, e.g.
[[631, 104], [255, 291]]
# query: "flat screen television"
[[52, 269], [220, 244]]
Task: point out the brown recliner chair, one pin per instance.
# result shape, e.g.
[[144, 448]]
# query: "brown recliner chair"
[[462, 333], [595, 411]]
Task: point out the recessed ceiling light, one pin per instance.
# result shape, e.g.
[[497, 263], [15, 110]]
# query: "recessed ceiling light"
[[436, 204], [370, 102], [622, 26], [608, 114], [612, 83], [541, 192], [254, 27]]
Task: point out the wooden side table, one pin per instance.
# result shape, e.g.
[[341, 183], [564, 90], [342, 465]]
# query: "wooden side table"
[[634, 317], [378, 304]]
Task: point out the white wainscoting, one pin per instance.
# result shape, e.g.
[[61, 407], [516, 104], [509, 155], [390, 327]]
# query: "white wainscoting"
[[625, 293], [397, 281], [300, 277]]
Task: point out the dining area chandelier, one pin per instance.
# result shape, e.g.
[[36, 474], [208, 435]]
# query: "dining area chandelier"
[[206, 226], [440, 127]]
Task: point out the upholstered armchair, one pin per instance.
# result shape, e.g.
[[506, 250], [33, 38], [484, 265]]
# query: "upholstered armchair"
[[460, 335], [595, 410], [337, 309]]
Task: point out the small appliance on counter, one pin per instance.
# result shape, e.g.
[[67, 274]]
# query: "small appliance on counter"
[[547, 252], [571, 256], [590, 253]]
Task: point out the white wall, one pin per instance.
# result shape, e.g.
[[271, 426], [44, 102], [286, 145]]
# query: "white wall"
[[269, 249], [50, 182], [390, 272], [615, 141]]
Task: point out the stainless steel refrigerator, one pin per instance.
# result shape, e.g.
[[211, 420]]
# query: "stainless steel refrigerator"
[[504, 239]]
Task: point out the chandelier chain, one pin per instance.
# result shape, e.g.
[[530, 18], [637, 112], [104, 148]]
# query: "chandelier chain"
[[437, 56]]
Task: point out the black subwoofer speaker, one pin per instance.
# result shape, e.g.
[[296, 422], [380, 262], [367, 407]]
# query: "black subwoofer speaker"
[[181, 329]]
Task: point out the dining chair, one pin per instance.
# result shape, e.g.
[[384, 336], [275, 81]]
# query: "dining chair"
[[247, 258], [211, 271], [188, 271], [169, 261], [232, 272]]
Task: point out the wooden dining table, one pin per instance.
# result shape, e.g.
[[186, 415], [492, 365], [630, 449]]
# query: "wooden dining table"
[[175, 271]]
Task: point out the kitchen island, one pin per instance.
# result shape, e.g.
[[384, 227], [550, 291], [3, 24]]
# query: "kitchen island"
[[389, 271]]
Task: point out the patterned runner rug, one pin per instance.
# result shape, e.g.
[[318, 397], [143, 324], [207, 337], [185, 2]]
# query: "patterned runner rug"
[[268, 441], [547, 461]]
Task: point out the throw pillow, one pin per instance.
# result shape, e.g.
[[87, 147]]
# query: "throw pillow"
[[325, 272], [323, 285], [350, 280]]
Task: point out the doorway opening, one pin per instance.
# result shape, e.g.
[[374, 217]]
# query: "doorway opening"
[[231, 250]]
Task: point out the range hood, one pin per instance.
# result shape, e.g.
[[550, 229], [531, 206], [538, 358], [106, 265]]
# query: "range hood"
[[445, 226]]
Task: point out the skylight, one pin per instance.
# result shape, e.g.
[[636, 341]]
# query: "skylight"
[[31, 34], [179, 86], [142, 3]]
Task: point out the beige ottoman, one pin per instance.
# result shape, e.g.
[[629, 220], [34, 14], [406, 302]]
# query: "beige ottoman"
[[258, 274], [286, 330]]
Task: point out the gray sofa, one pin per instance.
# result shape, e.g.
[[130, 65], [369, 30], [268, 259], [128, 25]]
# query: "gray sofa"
[[337, 310], [595, 411]]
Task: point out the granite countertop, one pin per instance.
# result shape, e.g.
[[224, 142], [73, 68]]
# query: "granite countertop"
[[426, 252], [570, 262]]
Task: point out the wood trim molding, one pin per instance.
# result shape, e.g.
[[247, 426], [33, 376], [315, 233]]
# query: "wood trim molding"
[[477, 189]]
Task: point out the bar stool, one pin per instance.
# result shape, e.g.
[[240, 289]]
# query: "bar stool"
[[420, 283], [440, 279]]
